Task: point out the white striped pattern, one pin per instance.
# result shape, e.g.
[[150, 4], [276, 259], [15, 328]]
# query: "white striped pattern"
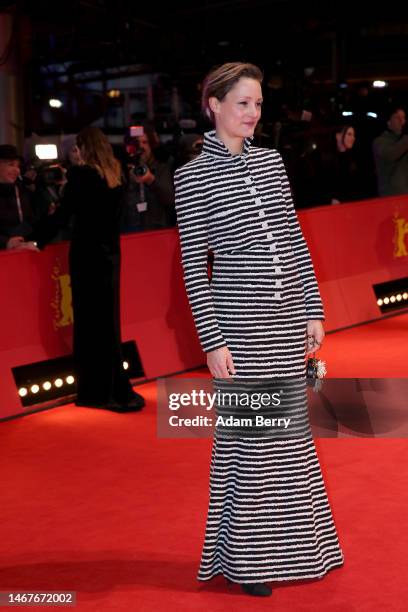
[[223, 202], [269, 517]]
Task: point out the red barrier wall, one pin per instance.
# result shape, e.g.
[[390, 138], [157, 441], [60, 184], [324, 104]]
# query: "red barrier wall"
[[353, 247], [36, 312]]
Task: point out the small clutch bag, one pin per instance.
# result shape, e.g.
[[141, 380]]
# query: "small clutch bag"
[[315, 371]]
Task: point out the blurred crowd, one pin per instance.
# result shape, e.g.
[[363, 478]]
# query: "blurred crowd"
[[341, 164]]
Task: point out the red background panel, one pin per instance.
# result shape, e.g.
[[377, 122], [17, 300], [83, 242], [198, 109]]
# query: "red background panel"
[[353, 246]]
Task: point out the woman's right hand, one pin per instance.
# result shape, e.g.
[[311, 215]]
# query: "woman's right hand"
[[220, 363]]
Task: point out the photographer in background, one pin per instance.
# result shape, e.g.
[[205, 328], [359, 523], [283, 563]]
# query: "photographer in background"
[[391, 154], [50, 183], [149, 196], [16, 212]]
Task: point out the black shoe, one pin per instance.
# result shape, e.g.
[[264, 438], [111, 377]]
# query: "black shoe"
[[258, 589], [134, 405], [124, 407]]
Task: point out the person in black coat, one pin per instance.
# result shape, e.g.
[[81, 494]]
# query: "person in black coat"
[[342, 178], [93, 197], [16, 212]]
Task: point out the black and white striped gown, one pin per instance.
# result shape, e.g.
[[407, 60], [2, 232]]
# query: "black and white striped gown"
[[269, 517]]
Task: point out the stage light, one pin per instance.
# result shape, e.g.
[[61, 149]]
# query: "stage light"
[[347, 113], [125, 365], [380, 84], [373, 115], [46, 151], [114, 93], [56, 379], [55, 103], [34, 389], [391, 295]]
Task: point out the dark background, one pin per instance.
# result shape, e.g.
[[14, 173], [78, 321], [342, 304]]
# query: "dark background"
[[307, 50]]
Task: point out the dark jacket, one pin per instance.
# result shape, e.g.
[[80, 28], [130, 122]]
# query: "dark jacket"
[[94, 209], [10, 222], [159, 197], [341, 177], [391, 160]]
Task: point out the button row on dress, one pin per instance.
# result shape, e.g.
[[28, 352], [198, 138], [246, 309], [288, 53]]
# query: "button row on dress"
[[248, 180], [269, 235]]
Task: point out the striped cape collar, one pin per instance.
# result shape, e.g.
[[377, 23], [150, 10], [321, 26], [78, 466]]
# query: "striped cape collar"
[[214, 146]]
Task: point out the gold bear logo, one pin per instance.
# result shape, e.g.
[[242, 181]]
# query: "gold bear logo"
[[62, 303], [401, 230]]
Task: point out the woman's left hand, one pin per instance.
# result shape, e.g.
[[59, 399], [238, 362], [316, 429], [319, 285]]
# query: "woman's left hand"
[[314, 337]]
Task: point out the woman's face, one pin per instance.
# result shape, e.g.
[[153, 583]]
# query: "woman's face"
[[349, 138], [240, 110]]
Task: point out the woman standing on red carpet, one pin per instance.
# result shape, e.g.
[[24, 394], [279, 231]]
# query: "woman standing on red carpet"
[[93, 198], [269, 518]]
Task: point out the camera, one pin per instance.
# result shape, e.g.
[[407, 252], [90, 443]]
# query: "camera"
[[134, 151], [53, 174], [140, 170]]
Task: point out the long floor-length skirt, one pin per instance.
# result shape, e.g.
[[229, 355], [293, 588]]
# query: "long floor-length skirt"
[[269, 517], [95, 283]]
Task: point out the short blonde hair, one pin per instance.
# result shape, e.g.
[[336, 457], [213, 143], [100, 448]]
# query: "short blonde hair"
[[220, 80]]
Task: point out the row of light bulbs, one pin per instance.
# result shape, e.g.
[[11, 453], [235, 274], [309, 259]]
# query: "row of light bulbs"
[[393, 298], [58, 382], [47, 385]]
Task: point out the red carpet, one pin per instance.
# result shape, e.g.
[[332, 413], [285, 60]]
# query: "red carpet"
[[93, 502]]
